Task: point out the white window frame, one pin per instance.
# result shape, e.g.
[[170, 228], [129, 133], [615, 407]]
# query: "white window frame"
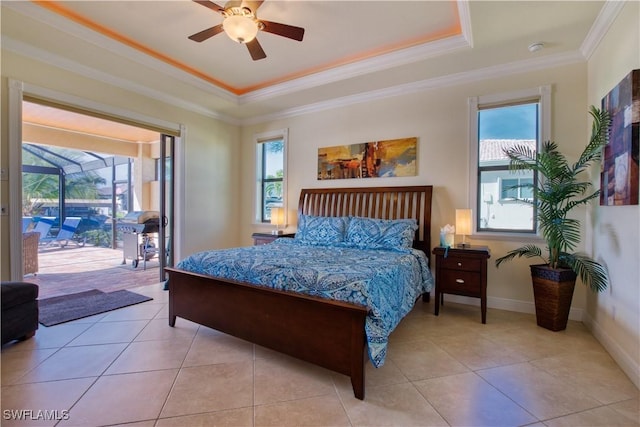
[[259, 139], [543, 95]]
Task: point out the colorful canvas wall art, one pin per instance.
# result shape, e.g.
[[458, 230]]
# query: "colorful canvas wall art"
[[619, 180], [394, 157]]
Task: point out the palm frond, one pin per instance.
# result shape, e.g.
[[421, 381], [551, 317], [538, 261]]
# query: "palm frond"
[[592, 274], [521, 157], [552, 164], [527, 251], [599, 138], [585, 200]]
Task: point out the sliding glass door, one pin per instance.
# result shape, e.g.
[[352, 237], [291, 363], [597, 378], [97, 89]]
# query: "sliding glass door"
[[166, 197]]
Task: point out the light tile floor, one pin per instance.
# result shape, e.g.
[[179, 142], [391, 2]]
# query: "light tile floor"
[[129, 367]]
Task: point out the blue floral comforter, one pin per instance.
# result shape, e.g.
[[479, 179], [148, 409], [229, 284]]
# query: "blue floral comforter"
[[388, 282]]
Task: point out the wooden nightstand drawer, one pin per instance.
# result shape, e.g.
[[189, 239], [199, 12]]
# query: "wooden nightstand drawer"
[[460, 282], [266, 238], [263, 240], [461, 263]]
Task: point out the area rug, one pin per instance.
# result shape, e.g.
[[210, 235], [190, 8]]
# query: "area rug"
[[56, 310]]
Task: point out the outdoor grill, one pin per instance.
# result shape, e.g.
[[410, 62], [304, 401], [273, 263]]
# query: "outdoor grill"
[[140, 222], [136, 228]]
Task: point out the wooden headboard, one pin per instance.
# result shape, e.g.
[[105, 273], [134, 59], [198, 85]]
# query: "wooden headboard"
[[374, 202]]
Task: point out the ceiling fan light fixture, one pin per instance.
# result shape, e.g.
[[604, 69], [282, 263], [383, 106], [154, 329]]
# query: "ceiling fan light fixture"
[[240, 24]]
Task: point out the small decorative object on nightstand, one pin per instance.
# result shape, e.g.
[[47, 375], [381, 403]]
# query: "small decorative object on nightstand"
[[462, 272], [265, 238]]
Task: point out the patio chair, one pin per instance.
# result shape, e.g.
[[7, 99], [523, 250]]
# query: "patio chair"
[[43, 225], [26, 223], [66, 233], [30, 242]]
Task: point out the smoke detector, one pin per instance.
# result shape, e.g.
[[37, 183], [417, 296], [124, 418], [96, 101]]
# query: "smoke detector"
[[534, 47]]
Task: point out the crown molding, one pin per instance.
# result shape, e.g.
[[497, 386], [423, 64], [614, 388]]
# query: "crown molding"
[[41, 55], [497, 71], [607, 15], [480, 74], [359, 68], [371, 65], [601, 25], [103, 42], [464, 14]]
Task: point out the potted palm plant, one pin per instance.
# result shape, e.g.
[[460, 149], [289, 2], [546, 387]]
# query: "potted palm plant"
[[557, 191]]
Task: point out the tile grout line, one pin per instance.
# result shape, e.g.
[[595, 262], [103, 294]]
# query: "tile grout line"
[[175, 379]]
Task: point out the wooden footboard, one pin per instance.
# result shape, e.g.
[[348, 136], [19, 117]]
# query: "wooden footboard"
[[327, 333]]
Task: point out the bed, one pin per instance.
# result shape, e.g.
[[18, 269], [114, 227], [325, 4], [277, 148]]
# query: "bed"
[[313, 326]]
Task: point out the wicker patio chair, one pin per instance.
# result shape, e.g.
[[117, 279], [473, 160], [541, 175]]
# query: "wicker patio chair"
[[30, 242]]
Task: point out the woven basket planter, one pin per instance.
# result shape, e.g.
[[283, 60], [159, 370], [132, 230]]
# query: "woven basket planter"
[[553, 292]]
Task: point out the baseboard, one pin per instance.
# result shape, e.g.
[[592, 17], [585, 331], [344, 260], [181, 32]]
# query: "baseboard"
[[622, 358], [510, 305]]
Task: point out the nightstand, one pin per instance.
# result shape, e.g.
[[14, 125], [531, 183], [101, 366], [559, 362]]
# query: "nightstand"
[[462, 272], [265, 238]]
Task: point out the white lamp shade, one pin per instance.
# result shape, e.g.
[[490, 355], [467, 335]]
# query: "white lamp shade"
[[241, 29], [463, 221], [277, 216]]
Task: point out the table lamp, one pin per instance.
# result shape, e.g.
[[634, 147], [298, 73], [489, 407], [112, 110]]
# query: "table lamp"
[[277, 219], [463, 225]]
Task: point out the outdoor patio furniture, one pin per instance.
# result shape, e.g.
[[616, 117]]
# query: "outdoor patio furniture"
[[30, 242], [26, 223], [19, 306], [66, 233], [43, 225]]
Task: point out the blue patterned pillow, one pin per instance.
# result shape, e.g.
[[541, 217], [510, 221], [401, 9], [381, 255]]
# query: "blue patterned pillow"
[[321, 229], [381, 233]]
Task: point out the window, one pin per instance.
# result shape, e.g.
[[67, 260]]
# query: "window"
[[497, 123], [270, 174], [511, 189]]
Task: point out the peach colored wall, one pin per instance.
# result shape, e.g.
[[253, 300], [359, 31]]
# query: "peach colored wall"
[[438, 117]]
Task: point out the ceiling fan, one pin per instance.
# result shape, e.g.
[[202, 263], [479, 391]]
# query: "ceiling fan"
[[241, 24]]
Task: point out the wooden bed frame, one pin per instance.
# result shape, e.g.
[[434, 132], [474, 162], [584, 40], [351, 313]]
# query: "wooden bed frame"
[[327, 333]]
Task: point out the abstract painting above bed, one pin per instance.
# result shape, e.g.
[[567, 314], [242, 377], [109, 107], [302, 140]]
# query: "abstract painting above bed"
[[385, 280]]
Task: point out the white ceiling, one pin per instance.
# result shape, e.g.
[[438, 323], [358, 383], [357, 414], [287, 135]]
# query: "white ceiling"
[[351, 49]]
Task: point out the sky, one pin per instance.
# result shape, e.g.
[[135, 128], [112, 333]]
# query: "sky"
[[511, 122]]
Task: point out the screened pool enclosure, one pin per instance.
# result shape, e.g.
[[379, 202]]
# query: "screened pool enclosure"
[[59, 183]]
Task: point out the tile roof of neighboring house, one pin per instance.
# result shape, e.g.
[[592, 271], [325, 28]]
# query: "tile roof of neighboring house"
[[493, 149]]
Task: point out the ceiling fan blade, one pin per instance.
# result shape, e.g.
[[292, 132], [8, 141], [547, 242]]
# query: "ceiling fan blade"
[[210, 5], [205, 34], [284, 30], [256, 50]]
